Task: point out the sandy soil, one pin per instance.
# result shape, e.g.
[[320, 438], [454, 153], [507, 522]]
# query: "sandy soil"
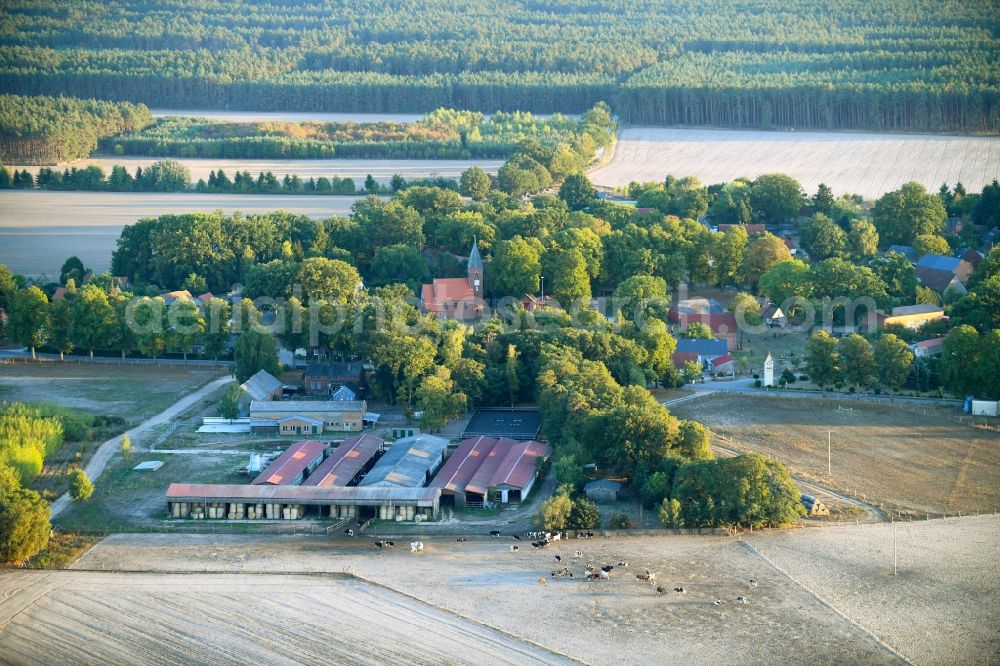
[[907, 459], [96, 618], [615, 621], [381, 170], [39, 230], [865, 164]]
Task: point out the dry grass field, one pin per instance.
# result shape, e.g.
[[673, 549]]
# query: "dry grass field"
[[381, 170], [923, 463], [865, 164], [71, 617], [132, 392], [818, 601]]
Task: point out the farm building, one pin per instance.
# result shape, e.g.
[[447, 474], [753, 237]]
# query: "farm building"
[[291, 467], [690, 306], [914, 316], [409, 463], [517, 424], [981, 407], [321, 378], [680, 358], [344, 392], [602, 490], [723, 325], [258, 502], [307, 416], [262, 387], [481, 464], [941, 273], [346, 462]]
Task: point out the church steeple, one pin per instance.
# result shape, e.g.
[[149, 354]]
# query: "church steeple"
[[475, 270]]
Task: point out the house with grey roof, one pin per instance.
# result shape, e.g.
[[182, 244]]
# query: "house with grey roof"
[[941, 273], [262, 387], [707, 350]]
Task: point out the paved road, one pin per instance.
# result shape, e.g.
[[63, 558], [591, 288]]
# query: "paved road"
[[95, 466]]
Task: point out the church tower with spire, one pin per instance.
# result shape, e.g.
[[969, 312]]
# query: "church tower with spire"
[[475, 268]]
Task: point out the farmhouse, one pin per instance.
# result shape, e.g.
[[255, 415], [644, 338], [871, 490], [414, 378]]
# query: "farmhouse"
[[914, 316], [262, 387], [409, 463], [346, 462], [941, 273], [690, 306], [291, 467], [722, 325], [680, 358], [724, 367], [307, 416], [457, 298], [516, 424], [344, 392], [773, 316], [483, 464], [602, 490], [321, 378]]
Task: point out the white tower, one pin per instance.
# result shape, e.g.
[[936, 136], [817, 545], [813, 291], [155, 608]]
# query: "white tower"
[[769, 370]]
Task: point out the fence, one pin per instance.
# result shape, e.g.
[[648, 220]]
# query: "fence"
[[113, 360]]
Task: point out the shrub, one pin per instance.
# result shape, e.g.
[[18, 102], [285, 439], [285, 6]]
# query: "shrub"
[[619, 521], [803, 378], [24, 524], [584, 515], [757, 383], [80, 485]]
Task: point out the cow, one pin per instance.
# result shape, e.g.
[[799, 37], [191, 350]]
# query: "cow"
[[660, 590], [717, 602], [495, 534], [349, 532], [461, 539], [742, 600], [513, 549], [515, 537], [680, 590], [647, 577], [753, 583], [416, 546]]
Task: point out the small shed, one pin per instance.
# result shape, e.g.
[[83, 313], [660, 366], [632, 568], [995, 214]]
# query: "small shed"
[[603, 490]]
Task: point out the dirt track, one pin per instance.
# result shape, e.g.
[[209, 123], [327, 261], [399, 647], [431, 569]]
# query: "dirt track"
[[69, 617]]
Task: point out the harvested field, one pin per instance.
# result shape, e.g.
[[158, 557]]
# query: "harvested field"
[[39, 230], [865, 164], [614, 621], [899, 455], [71, 617], [381, 170], [132, 392]]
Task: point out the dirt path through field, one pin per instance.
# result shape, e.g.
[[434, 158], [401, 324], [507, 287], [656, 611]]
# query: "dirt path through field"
[[104, 453]]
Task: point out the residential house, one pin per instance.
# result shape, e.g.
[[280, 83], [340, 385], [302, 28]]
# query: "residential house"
[[972, 257], [723, 325], [905, 250], [724, 367], [177, 295], [941, 273], [773, 316], [926, 348], [532, 303], [322, 378], [706, 351], [680, 358], [457, 298], [695, 306], [344, 392]]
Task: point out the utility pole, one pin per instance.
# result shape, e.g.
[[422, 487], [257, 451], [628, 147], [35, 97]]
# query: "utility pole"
[[829, 458], [543, 289], [894, 560]]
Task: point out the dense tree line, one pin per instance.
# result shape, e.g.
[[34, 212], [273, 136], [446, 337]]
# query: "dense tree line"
[[442, 134], [884, 65], [46, 130]]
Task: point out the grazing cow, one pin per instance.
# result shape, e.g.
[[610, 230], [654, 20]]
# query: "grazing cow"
[[461, 539], [680, 590], [495, 534], [513, 549], [416, 546], [578, 554], [623, 564], [557, 536], [349, 532], [607, 568], [717, 602], [604, 575], [379, 544], [558, 558], [753, 583], [515, 537], [660, 590], [390, 544], [742, 600]]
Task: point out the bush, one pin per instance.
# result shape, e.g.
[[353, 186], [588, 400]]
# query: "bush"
[[757, 383], [584, 515], [839, 385], [24, 524], [80, 485], [619, 521], [756, 376], [803, 378]]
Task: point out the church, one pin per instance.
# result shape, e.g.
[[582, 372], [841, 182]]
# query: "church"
[[457, 298]]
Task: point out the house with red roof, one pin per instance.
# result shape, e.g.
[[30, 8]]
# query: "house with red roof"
[[723, 367]]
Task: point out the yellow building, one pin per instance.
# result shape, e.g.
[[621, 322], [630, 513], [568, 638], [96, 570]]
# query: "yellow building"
[[307, 417], [914, 316]]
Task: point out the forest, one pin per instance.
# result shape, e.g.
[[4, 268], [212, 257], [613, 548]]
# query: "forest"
[[441, 134], [914, 65], [46, 130]]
